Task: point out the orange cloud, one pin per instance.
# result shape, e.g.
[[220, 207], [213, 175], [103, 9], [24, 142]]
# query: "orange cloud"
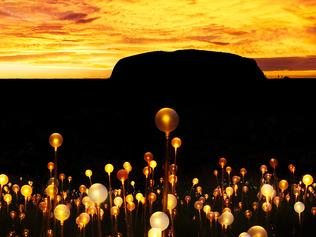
[[287, 63], [94, 35]]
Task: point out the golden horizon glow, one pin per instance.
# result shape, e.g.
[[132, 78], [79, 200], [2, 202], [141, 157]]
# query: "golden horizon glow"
[[85, 38]]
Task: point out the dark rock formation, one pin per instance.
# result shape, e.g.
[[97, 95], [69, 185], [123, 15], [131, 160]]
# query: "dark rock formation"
[[186, 66]]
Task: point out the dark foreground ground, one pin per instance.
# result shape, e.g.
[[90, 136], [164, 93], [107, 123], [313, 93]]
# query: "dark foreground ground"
[[104, 122]]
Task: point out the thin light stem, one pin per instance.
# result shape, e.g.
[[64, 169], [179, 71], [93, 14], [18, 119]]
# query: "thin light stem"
[[99, 222], [55, 183], [125, 211], [111, 201], [165, 182]]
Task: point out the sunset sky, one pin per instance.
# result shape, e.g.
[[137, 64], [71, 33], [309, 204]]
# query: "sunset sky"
[[85, 38]]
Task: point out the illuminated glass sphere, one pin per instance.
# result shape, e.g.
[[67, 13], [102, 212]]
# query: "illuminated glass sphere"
[[273, 163], [52, 181], [77, 202], [267, 191], [16, 188], [210, 215], [139, 196], [98, 193], [266, 207], [115, 211], [268, 176], [82, 188], [308, 179], [127, 166], [7, 198], [148, 156], [51, 190], [287, 197], [131, 206], [176, 142], [248, 214], [257, 231], [263, 169], [154, 232], [26, 232], [146, 171], [229, 191], [129, 198], [236, 179], [118, 201], [50, 166], [228, 169], [153, 164], [207, 209], [198, 205], [173, 179], [283, 185], [92, 210], [61, 212], [84, 219], [122, 175], [43, 206], [55, 140], [143, 200], [173, 168], [152, 197], [291, 168], [172, 202], [195, 181], [299, 207], [109, 168], [226, 219], [62, 176], [245, 188], [243, 171], [216, 215], [86, 201], [276, 201], [202, 200], [4, 179], [26, 190], [222, 162], [12, 215], [166, 120], [88, 173], [159, 220], [255, 206]]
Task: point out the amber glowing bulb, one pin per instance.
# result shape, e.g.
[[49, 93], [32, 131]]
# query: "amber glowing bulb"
[[222, 162], [291, 168], [55, 140], [263, 169], [50, 167], [273, 163], [283, 185], [166, 120], [147, 171]]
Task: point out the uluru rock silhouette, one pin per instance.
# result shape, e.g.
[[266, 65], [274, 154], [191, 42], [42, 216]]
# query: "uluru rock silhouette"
[[184, 66]]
